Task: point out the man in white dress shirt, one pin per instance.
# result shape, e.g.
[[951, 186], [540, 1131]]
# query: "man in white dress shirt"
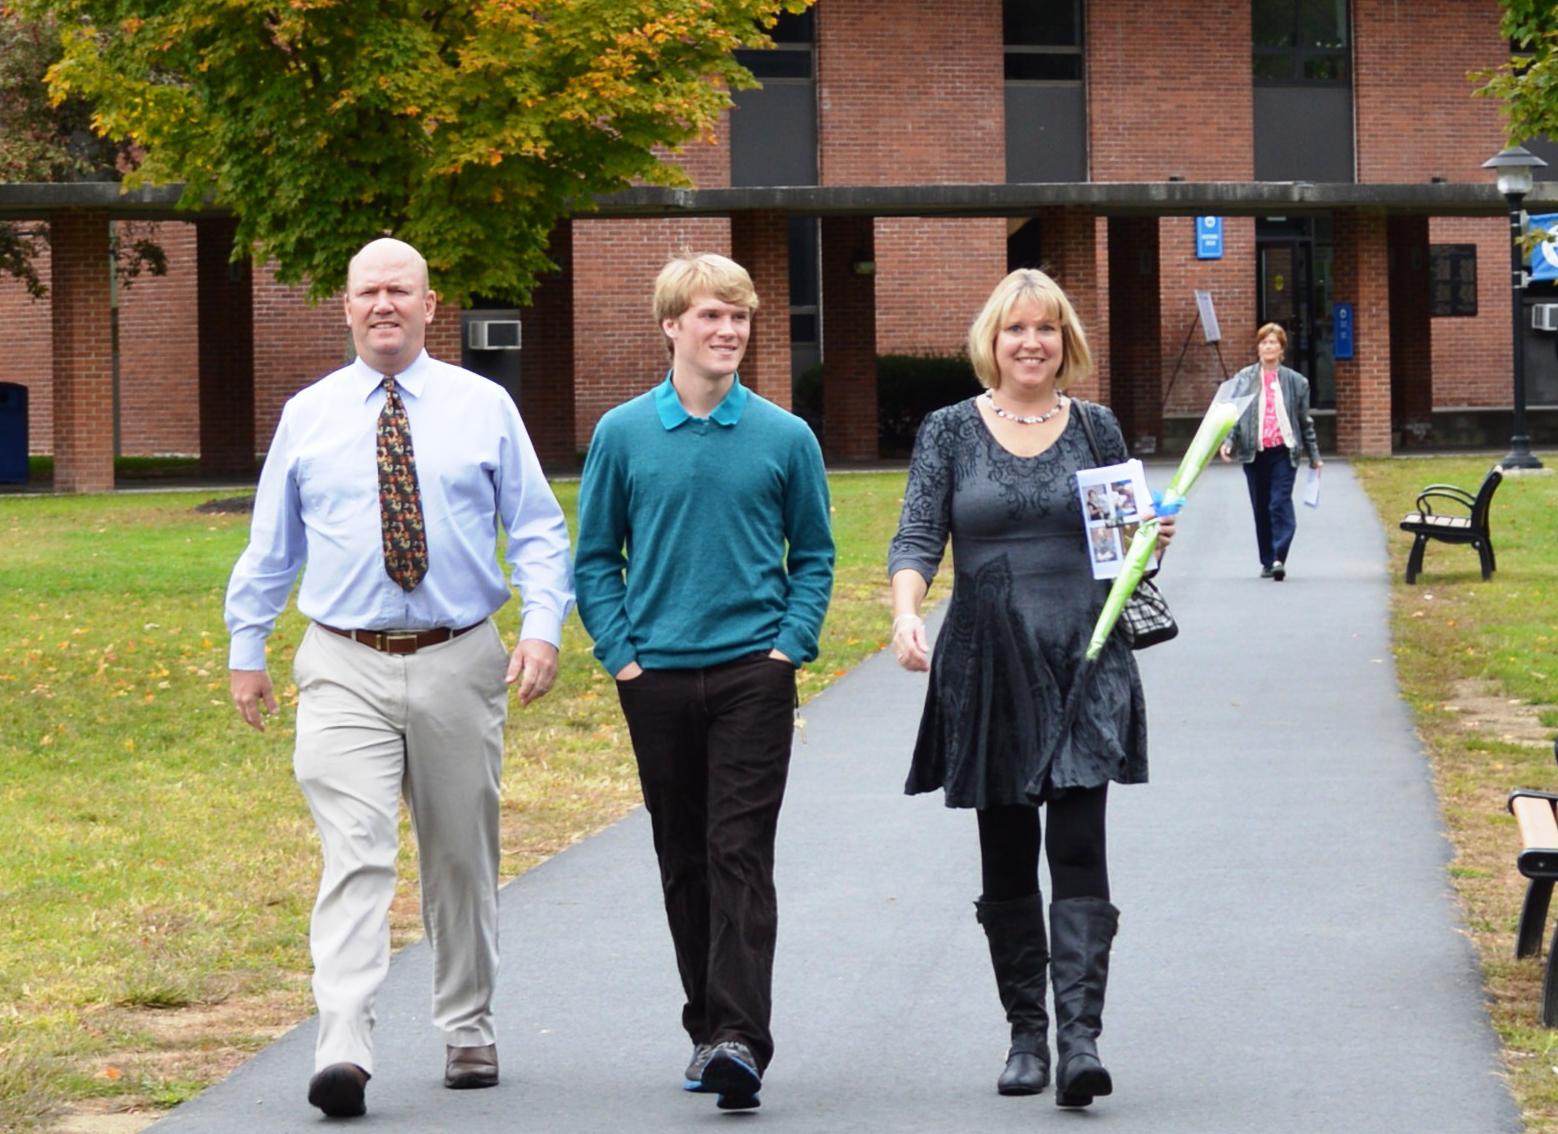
[[389, 478]]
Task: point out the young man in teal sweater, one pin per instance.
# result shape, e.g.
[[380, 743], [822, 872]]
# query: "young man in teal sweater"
[[703, 568]]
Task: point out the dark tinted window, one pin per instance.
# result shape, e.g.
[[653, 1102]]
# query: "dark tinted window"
[[1043, 40], [1042, 23], [1299, 41]]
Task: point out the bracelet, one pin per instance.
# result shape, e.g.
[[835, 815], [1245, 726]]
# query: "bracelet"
[[907, 614]]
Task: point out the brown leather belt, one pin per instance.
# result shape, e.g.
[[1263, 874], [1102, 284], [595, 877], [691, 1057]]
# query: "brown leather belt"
[[399, 641]]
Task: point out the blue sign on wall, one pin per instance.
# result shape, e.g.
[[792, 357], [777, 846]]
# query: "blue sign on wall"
[[1341, 331], [1209, 238]]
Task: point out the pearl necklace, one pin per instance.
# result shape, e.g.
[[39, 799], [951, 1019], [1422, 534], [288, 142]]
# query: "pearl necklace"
[[1025, 419]]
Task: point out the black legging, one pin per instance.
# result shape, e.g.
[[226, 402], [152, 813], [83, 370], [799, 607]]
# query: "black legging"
[[1078, 862]]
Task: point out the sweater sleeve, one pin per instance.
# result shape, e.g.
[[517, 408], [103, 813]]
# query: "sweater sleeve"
[[600, 563], [808, 532]]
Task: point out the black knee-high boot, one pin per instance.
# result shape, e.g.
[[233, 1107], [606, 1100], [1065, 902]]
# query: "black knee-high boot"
[[1020, 956], [1083, 929]]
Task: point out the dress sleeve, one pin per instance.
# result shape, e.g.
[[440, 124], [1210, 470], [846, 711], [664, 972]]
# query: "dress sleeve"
[[927, 505]]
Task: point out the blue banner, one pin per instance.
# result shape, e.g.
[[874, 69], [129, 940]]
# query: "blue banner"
[[1544, 257], [1341, 331], [1209, 238]]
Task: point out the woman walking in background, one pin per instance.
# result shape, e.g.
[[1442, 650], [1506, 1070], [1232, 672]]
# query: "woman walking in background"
[[1267, 440], [996, 474]]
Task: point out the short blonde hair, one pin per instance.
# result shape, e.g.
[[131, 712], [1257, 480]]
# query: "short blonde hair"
[[1273, 329], [1028, 283], [692, 273]]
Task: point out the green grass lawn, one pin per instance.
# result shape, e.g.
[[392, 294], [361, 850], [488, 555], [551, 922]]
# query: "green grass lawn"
[[158, 862], [1478, 663]]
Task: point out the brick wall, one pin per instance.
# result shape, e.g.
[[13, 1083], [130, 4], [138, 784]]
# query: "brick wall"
[[761, 242], [1362, 272], [911, 93], [1169, 91], [1471, 357], [83, 354], [225, 315], [619, 351], [159, 368], [1416, 117], [1231, 281], [1416, 120], [294, 344], [547, 359], [1411, 346], [849, 306], [1076, 256], [1134, 296], [29, 352], [1184, 108]]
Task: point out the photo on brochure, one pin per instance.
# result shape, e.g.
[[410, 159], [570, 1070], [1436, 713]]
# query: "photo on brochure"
[[1115, 499]]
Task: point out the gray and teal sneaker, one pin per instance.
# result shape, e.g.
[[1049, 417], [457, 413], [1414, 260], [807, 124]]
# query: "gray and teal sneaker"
[[732, 1072], [692, 1078]]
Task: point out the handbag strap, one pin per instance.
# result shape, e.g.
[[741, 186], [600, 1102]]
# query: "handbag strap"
[[1085, 412]]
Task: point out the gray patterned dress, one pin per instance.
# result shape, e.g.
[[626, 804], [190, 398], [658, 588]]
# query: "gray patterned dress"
[[1024, 603]]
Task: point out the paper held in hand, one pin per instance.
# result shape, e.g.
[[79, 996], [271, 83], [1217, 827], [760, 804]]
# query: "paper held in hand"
[[1114, 499], [1312, 488]]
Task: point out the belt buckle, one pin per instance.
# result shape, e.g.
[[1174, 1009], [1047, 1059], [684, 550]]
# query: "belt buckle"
[[402, 638]]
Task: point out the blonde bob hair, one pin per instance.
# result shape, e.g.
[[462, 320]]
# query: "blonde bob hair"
[[1028, 283], [690, 274], [1272, 329]]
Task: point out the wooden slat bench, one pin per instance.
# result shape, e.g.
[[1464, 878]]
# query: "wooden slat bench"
[[1538, 861], [1426, 524]]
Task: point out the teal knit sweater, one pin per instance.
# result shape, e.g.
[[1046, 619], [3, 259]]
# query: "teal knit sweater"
[[702, 539]]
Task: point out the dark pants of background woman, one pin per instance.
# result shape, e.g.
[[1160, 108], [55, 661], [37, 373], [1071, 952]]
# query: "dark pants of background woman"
[[1270, 478]]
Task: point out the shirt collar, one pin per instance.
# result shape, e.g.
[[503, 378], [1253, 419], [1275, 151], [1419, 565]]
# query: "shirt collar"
[[412, 380], [673, 413]]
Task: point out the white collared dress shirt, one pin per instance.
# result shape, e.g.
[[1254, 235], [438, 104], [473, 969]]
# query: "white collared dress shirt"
[[318, 503]]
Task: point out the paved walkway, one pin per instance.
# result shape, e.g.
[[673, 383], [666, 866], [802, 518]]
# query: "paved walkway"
[[1288, 960]]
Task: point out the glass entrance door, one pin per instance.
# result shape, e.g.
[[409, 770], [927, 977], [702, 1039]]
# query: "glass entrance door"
[[1293, 288]]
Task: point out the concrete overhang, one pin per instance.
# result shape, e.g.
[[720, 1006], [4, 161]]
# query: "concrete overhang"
[[35, 201], [1123, 198]]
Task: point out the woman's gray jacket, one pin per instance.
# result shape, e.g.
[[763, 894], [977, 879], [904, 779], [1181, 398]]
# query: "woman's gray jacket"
[[1245, 438]]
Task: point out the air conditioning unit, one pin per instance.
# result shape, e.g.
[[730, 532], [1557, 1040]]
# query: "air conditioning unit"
[[492, 334], [1544, 316]]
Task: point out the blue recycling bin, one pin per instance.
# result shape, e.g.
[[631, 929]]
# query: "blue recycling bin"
[[13, 433]]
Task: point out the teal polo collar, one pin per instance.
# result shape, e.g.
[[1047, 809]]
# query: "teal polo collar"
[[673, 413]]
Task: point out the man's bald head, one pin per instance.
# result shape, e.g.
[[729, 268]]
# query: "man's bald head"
[[388, 304], [387, 251]]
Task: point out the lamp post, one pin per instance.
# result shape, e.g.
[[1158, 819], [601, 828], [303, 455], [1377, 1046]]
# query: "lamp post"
[[1513, 169]]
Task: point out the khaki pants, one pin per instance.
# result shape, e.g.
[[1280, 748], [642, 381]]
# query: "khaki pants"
[[371, 728]]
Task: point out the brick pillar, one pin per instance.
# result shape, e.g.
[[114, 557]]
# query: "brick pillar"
[[1411, 337], [848, 340], [224, 318], [80, 280], [1135, 331], [546, 362], [1361, 277], [443, 333], [760, 242], [1073, 252]]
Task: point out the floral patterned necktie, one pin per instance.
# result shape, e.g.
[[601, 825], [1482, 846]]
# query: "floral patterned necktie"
[[400, 502]]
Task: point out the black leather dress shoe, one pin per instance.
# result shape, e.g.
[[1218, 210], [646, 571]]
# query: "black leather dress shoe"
[[338, 1090], [470, 1067]]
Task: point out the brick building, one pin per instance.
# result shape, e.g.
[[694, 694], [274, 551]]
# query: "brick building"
[[1280, 157]]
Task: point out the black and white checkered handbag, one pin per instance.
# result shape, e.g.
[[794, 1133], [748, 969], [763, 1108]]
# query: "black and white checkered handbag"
[[1146, 619]]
